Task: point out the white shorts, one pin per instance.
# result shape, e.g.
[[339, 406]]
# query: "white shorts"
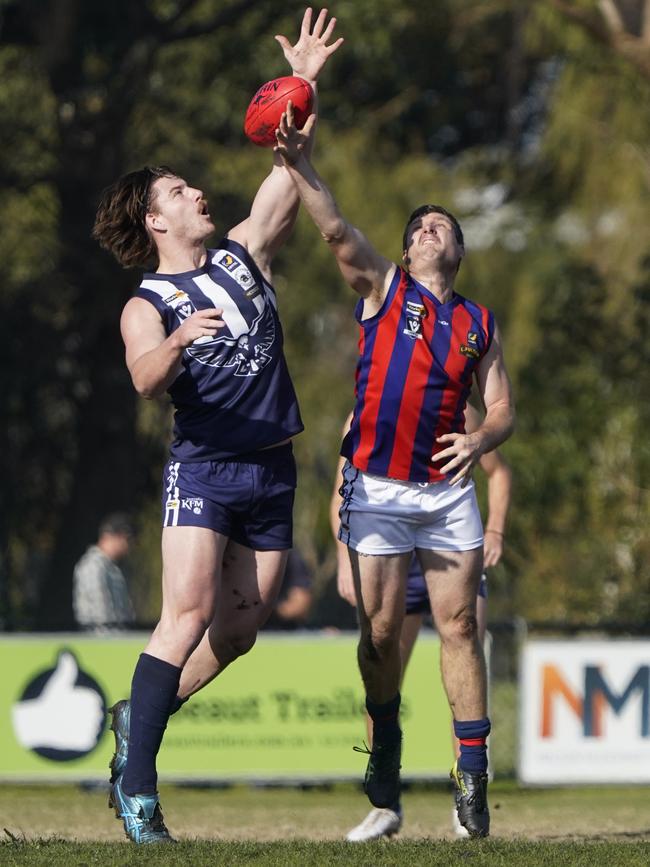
[[387, 516]]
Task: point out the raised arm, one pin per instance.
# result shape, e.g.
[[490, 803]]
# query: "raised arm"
[[367, 272], [464, 450], [274, 209]]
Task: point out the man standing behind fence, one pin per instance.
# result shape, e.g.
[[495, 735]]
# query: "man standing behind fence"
[[407, 482], [100, 595]]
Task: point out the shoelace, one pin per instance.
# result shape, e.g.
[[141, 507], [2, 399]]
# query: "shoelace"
[[383, 758]]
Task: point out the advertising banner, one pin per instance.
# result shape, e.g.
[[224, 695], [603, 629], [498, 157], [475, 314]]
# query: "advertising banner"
[[292, 709], [585, 712]]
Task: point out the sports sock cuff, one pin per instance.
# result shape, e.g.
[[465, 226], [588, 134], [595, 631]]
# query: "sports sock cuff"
[[177, 704], [152, 665], [472, 729], [156, 681], [385, 712]]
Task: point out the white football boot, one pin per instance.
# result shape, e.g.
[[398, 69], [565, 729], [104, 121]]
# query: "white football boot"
[[380, 822]]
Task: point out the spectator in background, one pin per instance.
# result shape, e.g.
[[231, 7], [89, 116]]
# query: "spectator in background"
[[294, 602], [100, 593]]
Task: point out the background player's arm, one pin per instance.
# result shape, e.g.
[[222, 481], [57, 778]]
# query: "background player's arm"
[[153, 358], [366, 271], [464, 450], [344, 580], [499, 488], [296, 606], [274, 209]]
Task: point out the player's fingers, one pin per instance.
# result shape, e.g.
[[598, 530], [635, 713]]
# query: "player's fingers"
[[214, 325], [452, 465], [328, 30], [320, 23], [332, 48], [284, 42], [212, 311], [289, 113], [305, 27], [445, 453], [462, 477], [448, 438], [309, 125]]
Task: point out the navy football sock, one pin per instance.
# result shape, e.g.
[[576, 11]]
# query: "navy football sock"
[[472, 735], [386, 729], [177, 704], [385, 720], [153, 689]]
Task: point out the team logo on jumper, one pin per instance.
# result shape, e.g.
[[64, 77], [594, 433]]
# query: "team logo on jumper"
[[194, 504], [415, 313], [471, 348], [250, 332], [239, 272], [229, 262], [247, 352], [175, 297]]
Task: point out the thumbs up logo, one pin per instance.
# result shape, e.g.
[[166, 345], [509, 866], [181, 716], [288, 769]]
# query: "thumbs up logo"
[[61, 713]]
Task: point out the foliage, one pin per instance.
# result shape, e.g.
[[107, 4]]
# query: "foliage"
[[513, 115]]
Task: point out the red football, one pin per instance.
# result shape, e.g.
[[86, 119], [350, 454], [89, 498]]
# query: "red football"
[[266, 107]]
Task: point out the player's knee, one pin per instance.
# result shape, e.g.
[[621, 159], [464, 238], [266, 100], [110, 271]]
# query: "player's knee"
[[189, 626], [379, 641], [460, 629], [230, 647]]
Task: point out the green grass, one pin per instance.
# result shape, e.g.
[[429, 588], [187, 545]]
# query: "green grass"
[[300, 852], [64, 825]]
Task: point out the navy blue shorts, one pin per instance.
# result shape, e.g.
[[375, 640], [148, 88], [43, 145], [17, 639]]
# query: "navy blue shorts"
[[249, 498], [417, 595]]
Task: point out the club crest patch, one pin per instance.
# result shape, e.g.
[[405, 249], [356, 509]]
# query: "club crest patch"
[[471, 348], [415, 313]]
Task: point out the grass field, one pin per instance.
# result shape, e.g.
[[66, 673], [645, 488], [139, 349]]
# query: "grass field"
[[245, 825]]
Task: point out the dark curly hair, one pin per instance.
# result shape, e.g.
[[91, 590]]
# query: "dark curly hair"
[[120, 223]]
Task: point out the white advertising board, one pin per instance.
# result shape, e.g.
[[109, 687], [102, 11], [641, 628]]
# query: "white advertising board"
[[585, 712]]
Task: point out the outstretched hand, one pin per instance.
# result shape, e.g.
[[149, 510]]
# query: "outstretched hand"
[[310, 53], [290, 139]]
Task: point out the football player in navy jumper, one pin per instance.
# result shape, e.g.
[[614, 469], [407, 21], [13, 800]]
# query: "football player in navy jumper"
[[203, 326]]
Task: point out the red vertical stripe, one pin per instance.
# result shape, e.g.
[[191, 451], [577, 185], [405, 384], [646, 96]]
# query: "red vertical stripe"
[[455, 364], [413, 394], [379, 364]]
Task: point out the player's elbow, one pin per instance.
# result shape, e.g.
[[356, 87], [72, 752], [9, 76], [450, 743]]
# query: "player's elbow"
[[145, 388], [334, 232]]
